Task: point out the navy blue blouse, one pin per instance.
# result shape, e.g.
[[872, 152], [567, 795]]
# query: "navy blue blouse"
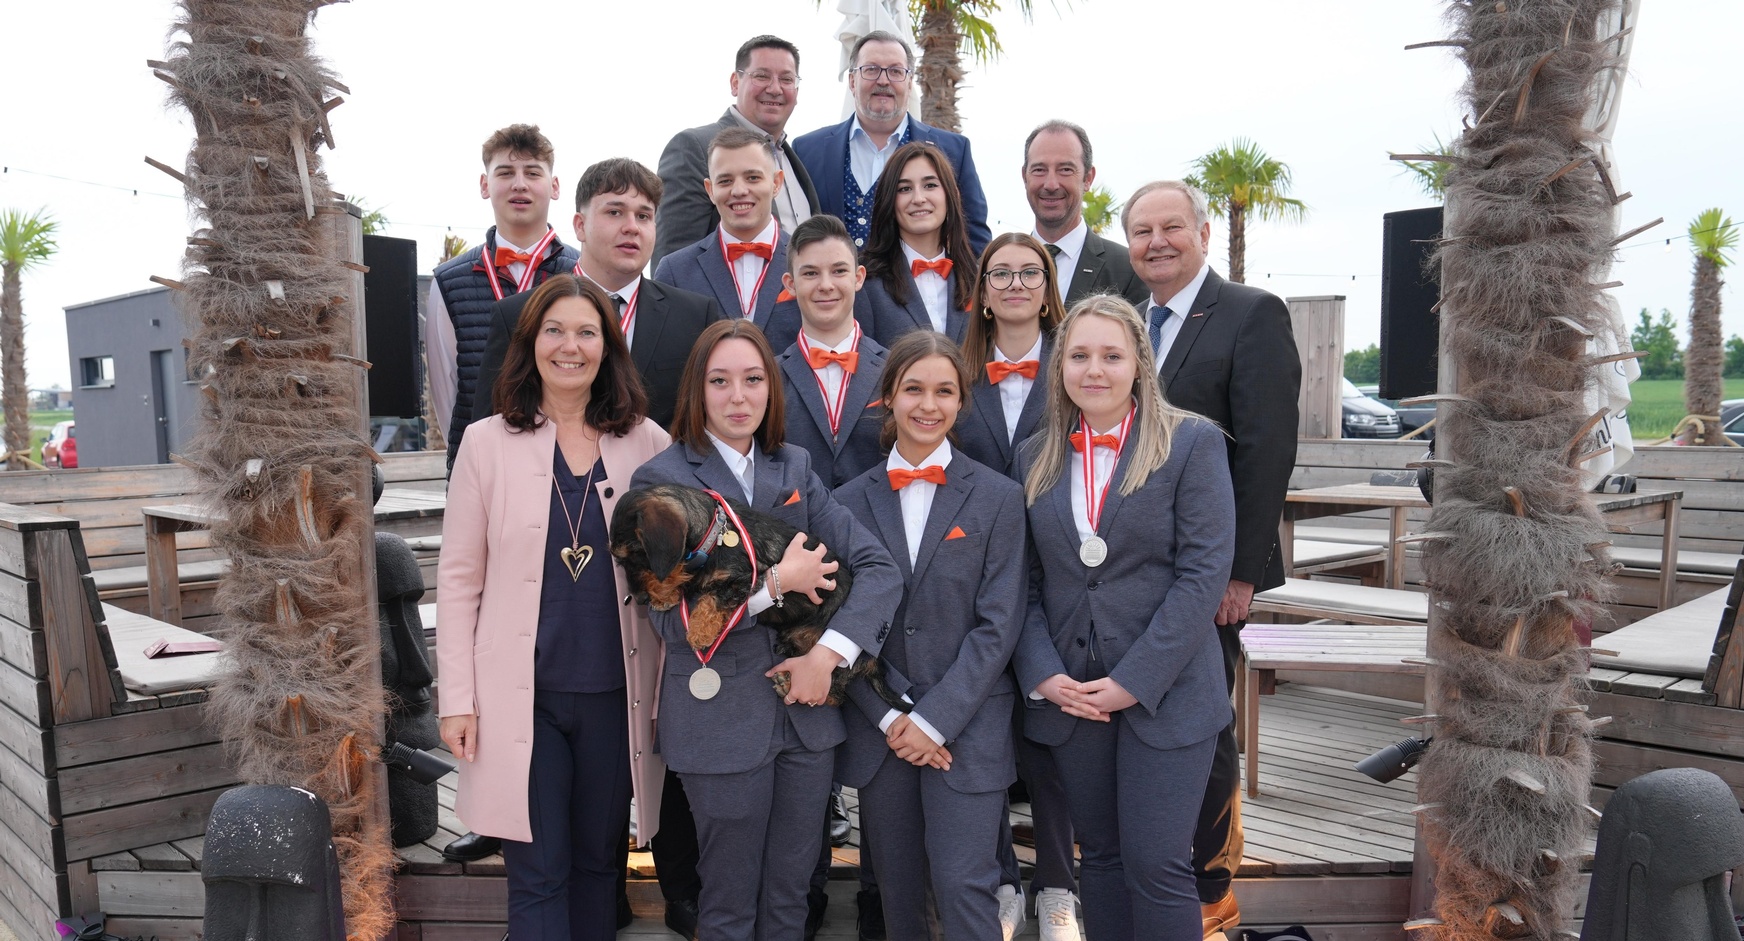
[[579, 648]]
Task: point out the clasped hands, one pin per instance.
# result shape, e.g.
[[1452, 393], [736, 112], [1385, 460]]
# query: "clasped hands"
[[915, 746], [1097, 700]]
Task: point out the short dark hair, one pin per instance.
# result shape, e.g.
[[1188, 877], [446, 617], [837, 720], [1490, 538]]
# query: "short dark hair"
[[1059, 125], [618, 402], [819, 228], [911, 348], [617, 175], [690, 418], [742, 61], [879, 35], [522, 139], [734, 138]]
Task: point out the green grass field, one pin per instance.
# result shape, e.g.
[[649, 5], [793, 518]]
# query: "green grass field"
[[1658, 404]]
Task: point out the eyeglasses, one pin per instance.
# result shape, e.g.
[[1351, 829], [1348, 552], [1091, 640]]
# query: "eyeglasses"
[[1032, 278], [898, 73], [760, 77]]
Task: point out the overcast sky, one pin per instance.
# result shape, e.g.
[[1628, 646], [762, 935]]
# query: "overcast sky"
[[1324, 87]]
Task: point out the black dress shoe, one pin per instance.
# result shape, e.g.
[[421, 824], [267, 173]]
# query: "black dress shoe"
[[816, 901], [471, 848], [871, 906], [625, 916], [840, 826], [681, 918]]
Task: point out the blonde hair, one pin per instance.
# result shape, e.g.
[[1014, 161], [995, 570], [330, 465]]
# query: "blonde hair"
[[1153, 428]]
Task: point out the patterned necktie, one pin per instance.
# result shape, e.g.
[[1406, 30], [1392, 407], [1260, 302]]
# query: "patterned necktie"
[[932, 473], [1159, 316], [1054, 250]]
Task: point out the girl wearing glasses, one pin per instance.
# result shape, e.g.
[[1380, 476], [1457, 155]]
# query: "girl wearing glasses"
[[920, 269]]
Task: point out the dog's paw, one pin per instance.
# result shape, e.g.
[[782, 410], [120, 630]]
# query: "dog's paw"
[[782, 685]]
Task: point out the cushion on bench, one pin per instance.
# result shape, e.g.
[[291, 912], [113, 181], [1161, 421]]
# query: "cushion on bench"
[[1307, 552], [133, 576], [1367, 535], [131, 633], [1674, 642], [1700, 563], [1354, 599]]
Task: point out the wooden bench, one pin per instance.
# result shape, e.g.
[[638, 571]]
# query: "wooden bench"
[[1359, 604]]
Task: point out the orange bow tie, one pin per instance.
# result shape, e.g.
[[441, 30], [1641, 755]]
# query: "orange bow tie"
[[996, 371], [821, 358], [508, 256], [942, 267], [738, 250], [1102, 441], [932, 473]]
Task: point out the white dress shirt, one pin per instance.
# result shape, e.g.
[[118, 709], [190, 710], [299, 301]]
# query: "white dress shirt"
[[628, 293], [1071, 246], [866, 158], [917, 505], [935, 292], [791, 206], [1014, 389], [441, 347], [1178, 312], [1105, 460], [833, 377], [749, 268]]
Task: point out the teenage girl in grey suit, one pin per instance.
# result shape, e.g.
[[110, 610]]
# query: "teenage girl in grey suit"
[[758, 769], [920, 268], [1133, 532], [932, 782]]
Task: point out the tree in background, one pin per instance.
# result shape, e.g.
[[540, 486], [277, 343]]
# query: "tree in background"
[[1735, 358], [1658, 339], [944, 30], [452, 247], [1239, 178], [1100, 208], [25, 242], [1711, 236], [375, 222], [1431, 175], [1364, 365]]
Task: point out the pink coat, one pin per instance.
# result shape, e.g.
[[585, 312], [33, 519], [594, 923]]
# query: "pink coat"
[[487, 612]]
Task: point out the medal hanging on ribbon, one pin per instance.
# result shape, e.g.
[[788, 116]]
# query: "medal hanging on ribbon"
[[833, 410], [629, 315], [1094, 550], [747, 310], [705, 683], [537, 257]]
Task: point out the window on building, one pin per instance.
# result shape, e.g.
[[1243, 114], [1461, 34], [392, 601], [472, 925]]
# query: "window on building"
[[97, 371]]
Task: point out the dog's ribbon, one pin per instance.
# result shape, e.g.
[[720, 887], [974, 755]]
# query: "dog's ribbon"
[[739, 614]]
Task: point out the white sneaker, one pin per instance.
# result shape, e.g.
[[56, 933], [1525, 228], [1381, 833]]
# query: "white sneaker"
[[1057, 915], [1011, 917]]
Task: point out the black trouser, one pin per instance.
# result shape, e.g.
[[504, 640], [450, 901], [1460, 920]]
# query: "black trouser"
[[675, 848], [1217, 841]]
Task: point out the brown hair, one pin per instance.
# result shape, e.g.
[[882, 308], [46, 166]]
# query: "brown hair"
[[911, 348], [883, 254], [978, 338], [690, 418], [617, 175], [734, 138], [522, 139], [618, 402], [819, 228]]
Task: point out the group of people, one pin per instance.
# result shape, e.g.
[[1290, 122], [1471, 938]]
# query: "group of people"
[[1053, 464]]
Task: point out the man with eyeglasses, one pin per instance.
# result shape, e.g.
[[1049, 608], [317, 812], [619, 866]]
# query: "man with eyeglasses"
[[1057, 169], [845, 159], [765, 86]]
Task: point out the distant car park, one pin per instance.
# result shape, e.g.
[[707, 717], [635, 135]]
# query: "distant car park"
[[1411, 417]]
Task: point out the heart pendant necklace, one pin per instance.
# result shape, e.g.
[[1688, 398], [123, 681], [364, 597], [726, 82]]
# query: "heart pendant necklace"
[[575, 556]]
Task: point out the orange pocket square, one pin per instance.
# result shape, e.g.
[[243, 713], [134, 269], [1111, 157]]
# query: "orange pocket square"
[[793, 499], [874, 403], [785, 295], [955, 533]]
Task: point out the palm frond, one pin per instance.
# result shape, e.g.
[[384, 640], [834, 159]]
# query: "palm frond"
[[1712, 235], [1431, 175], [27, 240], [1242, 174]]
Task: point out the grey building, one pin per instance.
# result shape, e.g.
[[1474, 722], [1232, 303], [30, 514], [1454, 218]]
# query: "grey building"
[[131, 391]]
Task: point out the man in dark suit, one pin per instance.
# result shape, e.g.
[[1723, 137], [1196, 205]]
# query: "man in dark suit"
[[1057, 169], [614, 222], [844, 159], [765, 87], [1226, 352]]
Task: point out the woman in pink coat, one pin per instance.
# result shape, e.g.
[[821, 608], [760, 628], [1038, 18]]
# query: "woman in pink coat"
[[549, 676]]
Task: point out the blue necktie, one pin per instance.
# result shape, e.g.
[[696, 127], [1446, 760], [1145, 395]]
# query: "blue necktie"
[[1159, 316]]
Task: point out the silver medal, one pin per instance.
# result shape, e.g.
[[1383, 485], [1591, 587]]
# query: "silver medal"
[[705, 683], [1093, 551]]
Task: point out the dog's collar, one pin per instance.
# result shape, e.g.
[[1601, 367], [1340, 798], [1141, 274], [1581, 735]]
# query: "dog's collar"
[[699, 556]]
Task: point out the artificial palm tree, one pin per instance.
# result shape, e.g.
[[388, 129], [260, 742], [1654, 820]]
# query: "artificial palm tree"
[[1100, 208], [1241, 179], [1711, 236], [25, 242]]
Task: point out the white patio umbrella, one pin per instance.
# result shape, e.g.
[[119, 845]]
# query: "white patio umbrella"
[[860, 17]]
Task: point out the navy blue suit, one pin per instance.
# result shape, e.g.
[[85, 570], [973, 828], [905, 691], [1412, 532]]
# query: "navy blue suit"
[[848, 453], [884, 320], [701, 267], [825, 154]]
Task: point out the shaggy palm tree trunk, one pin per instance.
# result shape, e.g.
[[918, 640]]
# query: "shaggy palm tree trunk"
[[941, 68], [1703, 361], [14, 387], [1237, 242], [1516, 548], [280, 452]]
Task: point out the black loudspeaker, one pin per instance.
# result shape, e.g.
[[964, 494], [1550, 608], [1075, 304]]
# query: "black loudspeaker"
[[1410, 329], [390, 303]]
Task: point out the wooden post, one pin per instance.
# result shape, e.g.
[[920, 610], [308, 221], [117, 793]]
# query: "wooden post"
[[1318, 323]]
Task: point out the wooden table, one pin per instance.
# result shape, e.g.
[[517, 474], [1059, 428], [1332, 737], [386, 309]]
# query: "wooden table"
[[1621, 511], [406, 512]]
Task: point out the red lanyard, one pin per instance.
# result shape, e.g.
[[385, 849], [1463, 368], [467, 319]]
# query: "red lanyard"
[[733, 269], [629, 315], [739, 614], [537, 258], [832, 409], [1092, 500]]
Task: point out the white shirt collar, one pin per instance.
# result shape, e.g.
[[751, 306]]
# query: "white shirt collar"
[[941, 456], [914, 256], [736, 462], [511, 246], [1072, 243], [1184, 298], [856, 131], [1035, 353], [846, 346], [626, 292], [767, 235], [750, 125]]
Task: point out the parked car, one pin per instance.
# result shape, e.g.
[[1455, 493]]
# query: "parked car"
[[51, 446], [1366, 418], [1411, 417], [70, 450], [1735, 428]]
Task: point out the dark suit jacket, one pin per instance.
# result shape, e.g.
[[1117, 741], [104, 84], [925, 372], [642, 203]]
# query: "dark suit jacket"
[[968, 596], [737, 730], [825, 152], [884, 320], [702, 267], [1145, 615], [981, 429], [1104, 267], [854, 448], [668, 321], [1235, 362], [686, 213]]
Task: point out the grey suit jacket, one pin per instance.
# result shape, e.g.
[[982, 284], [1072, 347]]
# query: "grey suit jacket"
[[959, 621], [884, 320], [686, 213], [981, 430], [701, 267], [841, 457], [1105, 267], [737, 730], [1145, 615]]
